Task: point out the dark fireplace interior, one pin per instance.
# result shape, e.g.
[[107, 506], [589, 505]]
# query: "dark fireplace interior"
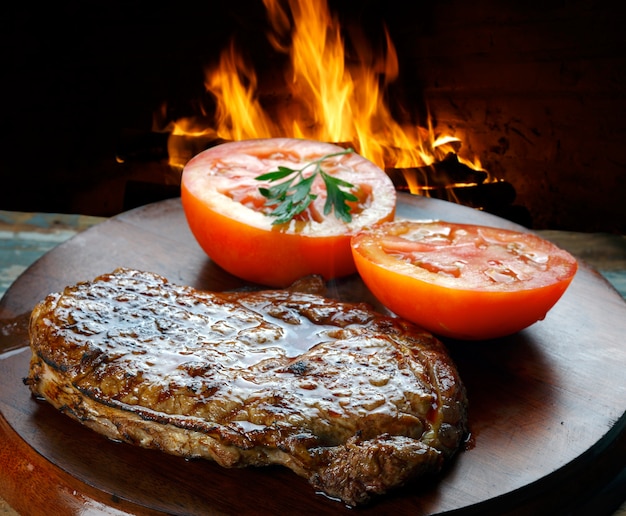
[[536, 92]]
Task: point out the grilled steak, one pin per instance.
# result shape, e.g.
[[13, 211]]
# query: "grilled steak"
[[354, 401]]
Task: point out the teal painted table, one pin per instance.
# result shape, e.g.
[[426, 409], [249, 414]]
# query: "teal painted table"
[[24, 237]]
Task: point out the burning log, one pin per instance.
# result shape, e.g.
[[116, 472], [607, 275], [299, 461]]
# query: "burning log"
[[486, 195], [441, 174], [150, 146], [141, 146], [451, 180]]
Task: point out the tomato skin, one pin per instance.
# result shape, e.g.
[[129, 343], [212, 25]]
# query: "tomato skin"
[[449, 306], [243, 241], [247, 252]]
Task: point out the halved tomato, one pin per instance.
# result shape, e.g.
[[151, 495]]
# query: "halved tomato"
[[462, 281], [229, 218]]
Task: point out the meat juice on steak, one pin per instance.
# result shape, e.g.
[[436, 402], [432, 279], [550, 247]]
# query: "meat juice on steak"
[[356, 402]]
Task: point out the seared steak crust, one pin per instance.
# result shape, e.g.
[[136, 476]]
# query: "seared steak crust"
[[356, 402]]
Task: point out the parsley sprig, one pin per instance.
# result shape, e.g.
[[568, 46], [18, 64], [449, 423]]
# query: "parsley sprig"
[[293, 195]]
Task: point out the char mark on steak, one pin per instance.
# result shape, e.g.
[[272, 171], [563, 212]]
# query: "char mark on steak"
[[356, 402]]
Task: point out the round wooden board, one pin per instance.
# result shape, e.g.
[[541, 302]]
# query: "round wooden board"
[[547, 406]]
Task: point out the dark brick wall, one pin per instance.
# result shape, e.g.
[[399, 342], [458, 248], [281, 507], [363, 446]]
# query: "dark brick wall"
[[538, 92]]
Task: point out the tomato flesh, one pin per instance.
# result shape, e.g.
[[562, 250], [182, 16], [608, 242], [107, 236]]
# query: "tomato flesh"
[[229, 217], [462, 281]]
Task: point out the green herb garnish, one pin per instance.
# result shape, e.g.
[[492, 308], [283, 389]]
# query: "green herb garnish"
[[292, 196]]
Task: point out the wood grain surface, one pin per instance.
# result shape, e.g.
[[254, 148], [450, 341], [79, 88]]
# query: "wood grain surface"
[[547, 406]]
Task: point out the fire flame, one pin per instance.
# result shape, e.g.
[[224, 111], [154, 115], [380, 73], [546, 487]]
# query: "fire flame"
[[330, 97]]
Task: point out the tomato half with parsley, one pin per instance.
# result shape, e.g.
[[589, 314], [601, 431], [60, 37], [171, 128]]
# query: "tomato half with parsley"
[[231, 221], [462, 281]]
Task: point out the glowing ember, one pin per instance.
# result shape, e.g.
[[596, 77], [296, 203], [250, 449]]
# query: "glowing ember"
[[330, 97]]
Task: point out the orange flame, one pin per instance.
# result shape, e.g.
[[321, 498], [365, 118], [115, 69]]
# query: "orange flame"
[[330, 98], [239, 114]]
